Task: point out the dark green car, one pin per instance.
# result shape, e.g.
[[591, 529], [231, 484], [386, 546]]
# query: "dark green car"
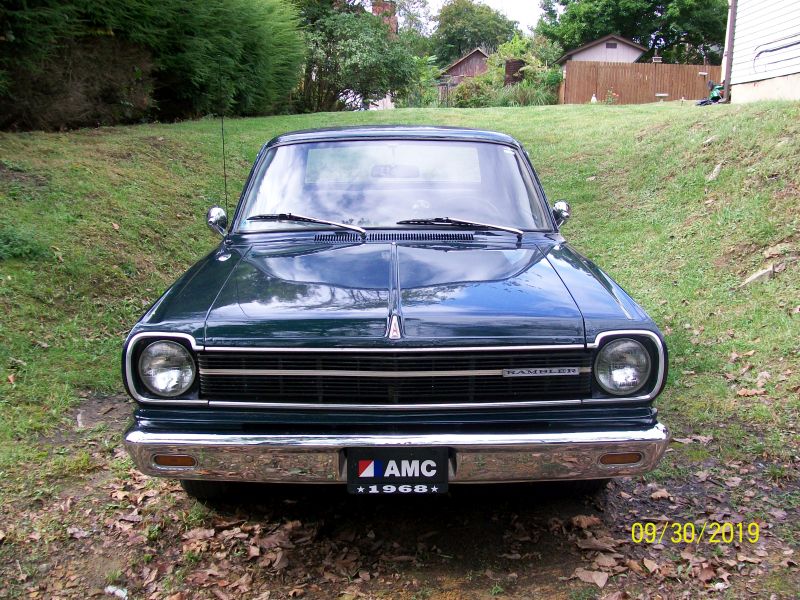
[[394, 309]]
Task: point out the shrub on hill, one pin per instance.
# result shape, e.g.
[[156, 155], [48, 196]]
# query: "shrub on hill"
[[90, 62]]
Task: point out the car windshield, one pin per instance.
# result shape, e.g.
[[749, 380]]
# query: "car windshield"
[[376, 183]]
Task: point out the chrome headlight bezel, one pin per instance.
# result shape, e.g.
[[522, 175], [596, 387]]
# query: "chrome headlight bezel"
[[639, 358], [175, 356]]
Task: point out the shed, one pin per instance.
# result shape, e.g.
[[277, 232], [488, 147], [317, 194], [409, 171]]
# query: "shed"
[[762, 50], [469, 65], [610, 48]]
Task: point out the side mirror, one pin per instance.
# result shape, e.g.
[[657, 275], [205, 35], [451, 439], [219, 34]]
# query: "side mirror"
[[217, 220], [561, 212]]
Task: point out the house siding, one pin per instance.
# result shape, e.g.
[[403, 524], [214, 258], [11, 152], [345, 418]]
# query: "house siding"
[[599, 53], [469, 67], [766, 42]]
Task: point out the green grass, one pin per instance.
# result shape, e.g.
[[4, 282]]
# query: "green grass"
[[99, 222]]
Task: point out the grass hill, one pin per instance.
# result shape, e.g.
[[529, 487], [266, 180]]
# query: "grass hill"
[[680, 204]]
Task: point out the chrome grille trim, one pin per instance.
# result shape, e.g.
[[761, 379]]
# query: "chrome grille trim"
[[390, 407], [342, 373], [336, 349]]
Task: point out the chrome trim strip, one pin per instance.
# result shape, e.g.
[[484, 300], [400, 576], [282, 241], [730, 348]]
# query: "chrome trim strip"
[[129, 368], [374, 374], [391, 407], [334, 349], [478, 457]]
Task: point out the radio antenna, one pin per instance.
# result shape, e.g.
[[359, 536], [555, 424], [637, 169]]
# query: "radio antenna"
[[222, 131]]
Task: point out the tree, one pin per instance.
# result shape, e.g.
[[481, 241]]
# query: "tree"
[[352, 59], [680, 30], [463, 25]]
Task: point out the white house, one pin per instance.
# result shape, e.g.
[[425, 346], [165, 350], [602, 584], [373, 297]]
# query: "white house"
[[611, 48], [763, 54]]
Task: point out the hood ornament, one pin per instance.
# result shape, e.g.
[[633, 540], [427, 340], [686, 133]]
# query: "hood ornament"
[[394, 328]]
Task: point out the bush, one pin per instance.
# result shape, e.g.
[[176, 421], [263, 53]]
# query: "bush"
[[483, 91], [88, 62], [242, 56], [525, 93], [473, 92]]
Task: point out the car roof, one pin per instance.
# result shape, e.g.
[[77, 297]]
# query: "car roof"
[[398, 132]]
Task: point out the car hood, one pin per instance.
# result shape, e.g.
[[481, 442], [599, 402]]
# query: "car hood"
[[303, 293], [346, 295]]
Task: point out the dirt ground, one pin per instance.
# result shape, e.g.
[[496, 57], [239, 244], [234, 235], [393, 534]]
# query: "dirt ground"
[[108, 531]]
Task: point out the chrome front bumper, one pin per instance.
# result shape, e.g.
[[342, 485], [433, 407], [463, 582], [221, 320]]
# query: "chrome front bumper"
[[474, 457]]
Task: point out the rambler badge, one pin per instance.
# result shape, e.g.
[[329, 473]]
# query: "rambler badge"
[[541, 372]]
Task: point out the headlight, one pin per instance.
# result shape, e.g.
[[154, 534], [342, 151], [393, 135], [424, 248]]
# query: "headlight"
[[166, 368], [622, 367]]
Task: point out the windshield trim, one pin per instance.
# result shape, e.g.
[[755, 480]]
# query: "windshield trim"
[[521, 155]]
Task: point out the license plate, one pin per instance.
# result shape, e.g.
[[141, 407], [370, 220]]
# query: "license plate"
[[399, 471]]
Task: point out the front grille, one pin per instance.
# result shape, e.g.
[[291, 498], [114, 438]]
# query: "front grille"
[[391, 378]]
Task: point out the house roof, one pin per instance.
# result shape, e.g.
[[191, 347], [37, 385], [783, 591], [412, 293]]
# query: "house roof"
[[606, 38], [463, 58]]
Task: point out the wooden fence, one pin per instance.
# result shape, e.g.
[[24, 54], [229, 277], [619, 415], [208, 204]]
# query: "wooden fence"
[[634, 83]]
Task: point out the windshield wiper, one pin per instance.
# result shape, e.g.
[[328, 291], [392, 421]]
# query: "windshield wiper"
[[302, 219], [462, 223]]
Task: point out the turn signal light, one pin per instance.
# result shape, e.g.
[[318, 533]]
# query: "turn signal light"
[[621, 458], [174, 460]]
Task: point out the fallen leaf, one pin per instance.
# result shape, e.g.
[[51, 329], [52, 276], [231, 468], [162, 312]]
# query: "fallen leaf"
[[778, 513], [750, 392], [744, 558], [115, 226], [635, 566], [592, 543], [77, 533], [714, 173], [651, 565], [11, 379], [2, 536], [296, 593], [660, 494], [705, 574], [733, 482], [585, 521], [199, 534], [596, 577], [281, 562], [702, 475], [618, 595], [687, 555], [605, 560]]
